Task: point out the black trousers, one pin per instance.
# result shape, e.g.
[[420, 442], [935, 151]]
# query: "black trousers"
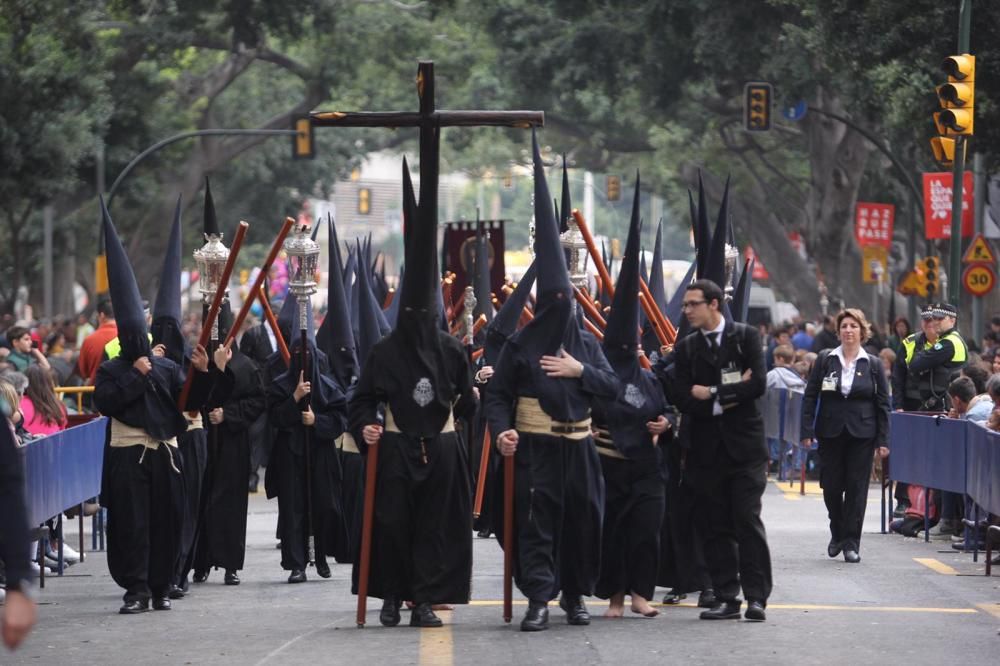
[[143, 495], [192, 445], [422, 532], [633, 513], [293, 529], [845, 474], [558, 516], [736, 547]]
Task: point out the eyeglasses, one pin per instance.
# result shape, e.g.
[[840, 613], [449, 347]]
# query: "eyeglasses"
[[688, 305]]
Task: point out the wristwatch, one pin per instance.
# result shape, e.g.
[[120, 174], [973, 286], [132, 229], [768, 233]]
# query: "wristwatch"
[[713, 390]]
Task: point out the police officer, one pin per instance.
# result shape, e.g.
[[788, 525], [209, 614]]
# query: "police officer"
[[939, 364], [906, 390]]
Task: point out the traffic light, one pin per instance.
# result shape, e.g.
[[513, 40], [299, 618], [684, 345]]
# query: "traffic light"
[[757, 98], [957, 97], [302, 142], [364, 201], [932, 276], [614, 188], [944, 150]]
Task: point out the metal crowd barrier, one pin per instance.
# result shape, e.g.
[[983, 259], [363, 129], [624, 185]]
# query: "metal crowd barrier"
[[63, 470], [947, 454], [782, 411], [78, 391]]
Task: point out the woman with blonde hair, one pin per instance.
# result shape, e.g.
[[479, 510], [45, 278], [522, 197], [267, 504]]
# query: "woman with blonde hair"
[[846, 407]]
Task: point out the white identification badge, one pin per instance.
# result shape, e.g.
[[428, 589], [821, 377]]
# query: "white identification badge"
[[829, 384], [731, 377]]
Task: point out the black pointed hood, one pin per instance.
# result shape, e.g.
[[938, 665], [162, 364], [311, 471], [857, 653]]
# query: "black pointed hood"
[[166, 325], [211, 225], [288, 320], [673, 310], [335, 337], [715, 267], [125, 299], [621, 336], [392, 312], [655, 281], [741, 295], [565, 210], [505, 322], [702, 233], [481, 282]]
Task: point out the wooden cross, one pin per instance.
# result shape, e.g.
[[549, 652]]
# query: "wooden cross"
[[429, 120]]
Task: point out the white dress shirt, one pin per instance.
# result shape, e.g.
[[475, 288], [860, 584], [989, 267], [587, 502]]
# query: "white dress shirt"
[[847, 370]]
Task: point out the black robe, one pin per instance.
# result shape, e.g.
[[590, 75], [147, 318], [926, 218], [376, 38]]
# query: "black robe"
[[223, 527], [288, 479], [558, 487], [141, 488], [422, 532]]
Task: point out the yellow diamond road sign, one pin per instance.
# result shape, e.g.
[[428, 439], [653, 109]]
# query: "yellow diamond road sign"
[[979, 252]]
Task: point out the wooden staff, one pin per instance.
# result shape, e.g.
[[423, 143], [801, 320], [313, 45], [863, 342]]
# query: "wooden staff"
[[484, 461], [273, 323], [592, 327], [508, 538], [259, 281], [661, 335], [478, 326], [371, 463], [476, 354], [388, 298], [213, 311], [588, 307], [652, 312]]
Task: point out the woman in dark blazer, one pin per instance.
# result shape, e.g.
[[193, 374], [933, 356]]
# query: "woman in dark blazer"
[[846, 408]]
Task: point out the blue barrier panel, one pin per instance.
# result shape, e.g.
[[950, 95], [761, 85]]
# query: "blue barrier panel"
[[928, 450], [983, 467], [770, 408], [793, 416], [64, 469]]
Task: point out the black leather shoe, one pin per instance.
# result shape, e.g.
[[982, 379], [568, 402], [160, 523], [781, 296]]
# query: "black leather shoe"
[[389, 615], [834, 548], [254, 481], [200, 576], [484, 534], [851, 556], [232, 578], [423, 616], [672, 598], [707, 599], [323, 568], [297, 576], [755, 612], [537, 617], [576, 611], [185, 584], [161, 603], [134, 607], [728, 610], [175, 592]]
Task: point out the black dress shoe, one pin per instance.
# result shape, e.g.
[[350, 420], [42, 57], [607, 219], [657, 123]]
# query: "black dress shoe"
[[323, 568], [423, 616], [484, 534], [834, 548], [727, 610], [161, 603], [175, 592], [254, 481], [707, 599], [537, 617], [389, 615], [232, 578], [134, 607], [576, 611], [185, 584], [200, 576], [297, 576], [851, 556], [672, 598], [755, 612]]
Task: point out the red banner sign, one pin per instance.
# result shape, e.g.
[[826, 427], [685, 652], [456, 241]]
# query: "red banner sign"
[[873, 223], [937, 205]]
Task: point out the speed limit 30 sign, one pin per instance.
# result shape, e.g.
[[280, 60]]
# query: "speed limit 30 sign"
[[979, 279]]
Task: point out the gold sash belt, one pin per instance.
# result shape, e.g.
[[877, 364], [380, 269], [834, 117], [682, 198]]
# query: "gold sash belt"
[[390, 422], [532, 419], [605, 446], [346, 443], [124, 436]]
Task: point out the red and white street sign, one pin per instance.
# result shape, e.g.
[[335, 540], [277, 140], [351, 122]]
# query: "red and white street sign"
[[873, 223], [937, 205]]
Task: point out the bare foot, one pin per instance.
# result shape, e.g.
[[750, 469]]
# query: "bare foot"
[[617, 606], [641, 607]]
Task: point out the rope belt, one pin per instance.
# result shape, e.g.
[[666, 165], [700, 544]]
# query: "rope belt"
[[346, 443], [606, 447], [390, 422], [531, 419], [124, 436], [194, 421]]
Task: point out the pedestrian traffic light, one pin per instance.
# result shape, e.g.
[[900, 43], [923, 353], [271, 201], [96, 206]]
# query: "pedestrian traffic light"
[[957, 97], [614, 188], [302, 141], [932, 276], [757, 98]]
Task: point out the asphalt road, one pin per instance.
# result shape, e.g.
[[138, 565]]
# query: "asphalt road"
[[907, 602]]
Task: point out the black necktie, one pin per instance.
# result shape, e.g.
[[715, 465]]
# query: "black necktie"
[[713, 343]]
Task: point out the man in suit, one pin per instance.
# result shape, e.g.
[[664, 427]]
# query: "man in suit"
[[719, 376]]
